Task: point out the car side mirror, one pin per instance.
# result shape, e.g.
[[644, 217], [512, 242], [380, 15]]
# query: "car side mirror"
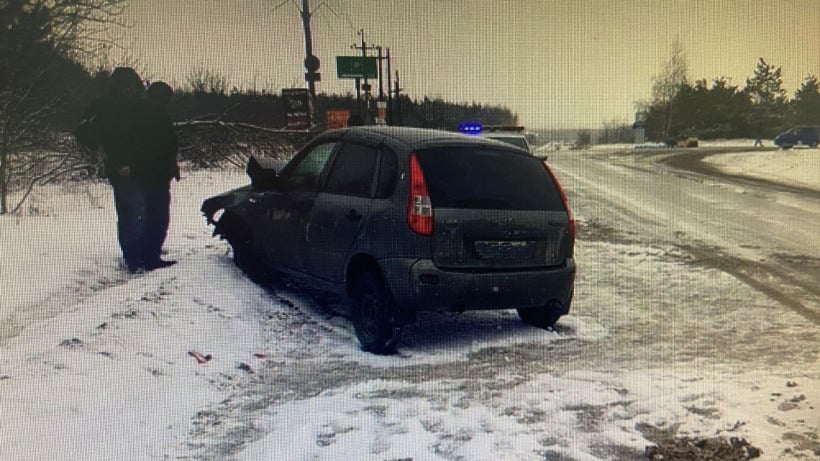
[[262, 172]]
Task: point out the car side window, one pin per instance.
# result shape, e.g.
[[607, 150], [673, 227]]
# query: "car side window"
[[306, 174], [388, 172], [352, 170]]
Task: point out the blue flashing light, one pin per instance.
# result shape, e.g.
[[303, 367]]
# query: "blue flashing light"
[[474, 129]]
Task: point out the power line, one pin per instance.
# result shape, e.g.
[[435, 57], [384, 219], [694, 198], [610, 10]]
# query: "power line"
[[346, 17], [285, 2]]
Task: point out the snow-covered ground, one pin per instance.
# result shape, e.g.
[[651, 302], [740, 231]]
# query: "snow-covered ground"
[[96, 364], [797, 166]]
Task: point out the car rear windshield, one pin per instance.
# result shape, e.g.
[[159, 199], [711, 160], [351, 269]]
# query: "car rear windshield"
[[484, 178]]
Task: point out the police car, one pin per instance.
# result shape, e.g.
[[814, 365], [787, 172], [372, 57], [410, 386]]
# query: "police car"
[[510, 134]]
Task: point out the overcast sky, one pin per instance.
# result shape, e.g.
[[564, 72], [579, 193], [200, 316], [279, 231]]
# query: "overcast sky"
[[558, 64]]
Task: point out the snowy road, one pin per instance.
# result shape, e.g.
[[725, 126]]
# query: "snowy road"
[[765, 234], [694, 316]]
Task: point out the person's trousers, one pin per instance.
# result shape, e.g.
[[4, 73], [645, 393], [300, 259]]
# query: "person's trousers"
[[143, 217]]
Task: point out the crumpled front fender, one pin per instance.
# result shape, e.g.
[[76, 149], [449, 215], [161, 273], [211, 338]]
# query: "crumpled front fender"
[[228, 203]]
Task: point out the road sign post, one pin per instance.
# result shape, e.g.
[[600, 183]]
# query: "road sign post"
[[298, 109]]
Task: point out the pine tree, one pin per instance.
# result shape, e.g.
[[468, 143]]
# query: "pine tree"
[[765, 89], [806, 103]]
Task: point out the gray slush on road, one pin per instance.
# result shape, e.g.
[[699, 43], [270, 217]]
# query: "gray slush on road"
[[403, 220]]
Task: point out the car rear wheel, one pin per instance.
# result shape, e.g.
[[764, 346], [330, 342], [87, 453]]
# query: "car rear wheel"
[[372, 315], [541, 317]]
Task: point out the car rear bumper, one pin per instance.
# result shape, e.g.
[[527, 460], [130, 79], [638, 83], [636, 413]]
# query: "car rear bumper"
[[420, 285]]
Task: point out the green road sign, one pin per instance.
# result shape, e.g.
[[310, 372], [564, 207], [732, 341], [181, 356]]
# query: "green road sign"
[[356, 67]]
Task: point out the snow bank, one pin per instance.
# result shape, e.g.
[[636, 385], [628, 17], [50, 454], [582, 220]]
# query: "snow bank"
[[795, 166]]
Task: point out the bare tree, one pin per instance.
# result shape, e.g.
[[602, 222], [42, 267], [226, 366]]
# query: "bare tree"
[[201, 80], [40, 41], [667, 84]]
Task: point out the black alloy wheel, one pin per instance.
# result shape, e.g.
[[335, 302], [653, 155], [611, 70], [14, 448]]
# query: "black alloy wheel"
[[372, 314]]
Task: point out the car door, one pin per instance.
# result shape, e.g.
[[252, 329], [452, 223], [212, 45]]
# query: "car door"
[[340, 210], [287, 210]]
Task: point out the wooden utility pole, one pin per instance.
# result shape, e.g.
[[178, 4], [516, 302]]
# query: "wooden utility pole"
[[311, 61], [359, 86], [397, 116], [389, 91]]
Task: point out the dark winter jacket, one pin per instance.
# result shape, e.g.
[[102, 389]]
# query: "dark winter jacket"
[[134, 133], [159, 145]]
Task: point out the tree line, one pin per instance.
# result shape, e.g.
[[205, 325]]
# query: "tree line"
[[206, 93], [217, 127], [719, 109]]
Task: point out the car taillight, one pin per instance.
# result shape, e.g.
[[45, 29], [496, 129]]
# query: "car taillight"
[[419, 206], [564, 199]]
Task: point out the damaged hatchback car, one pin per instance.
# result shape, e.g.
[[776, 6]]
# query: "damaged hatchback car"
[[403, 220]]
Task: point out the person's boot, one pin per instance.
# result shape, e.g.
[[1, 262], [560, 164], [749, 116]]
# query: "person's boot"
[[159, 264], [134, 266]]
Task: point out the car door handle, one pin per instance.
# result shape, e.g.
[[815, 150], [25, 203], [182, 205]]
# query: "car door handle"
[[353, 215]]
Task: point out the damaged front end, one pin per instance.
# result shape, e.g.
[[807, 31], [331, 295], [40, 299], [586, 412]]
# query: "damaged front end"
[[215, 208], [229, 212]]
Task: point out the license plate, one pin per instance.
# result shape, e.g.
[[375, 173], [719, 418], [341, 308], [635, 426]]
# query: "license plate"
[[504, 250]]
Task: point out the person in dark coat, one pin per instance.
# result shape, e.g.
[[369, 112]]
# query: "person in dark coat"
[[161, 152], [126, 126]]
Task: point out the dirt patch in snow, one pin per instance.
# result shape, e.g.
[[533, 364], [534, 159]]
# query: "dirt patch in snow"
[[670, 447]]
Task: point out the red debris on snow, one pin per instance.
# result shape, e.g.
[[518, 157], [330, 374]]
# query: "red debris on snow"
[[200, 359]]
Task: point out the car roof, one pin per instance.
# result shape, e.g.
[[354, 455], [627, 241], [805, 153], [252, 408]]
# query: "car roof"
[[504, 134]]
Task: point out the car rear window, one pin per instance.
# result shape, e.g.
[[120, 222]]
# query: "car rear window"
[[484, 178]]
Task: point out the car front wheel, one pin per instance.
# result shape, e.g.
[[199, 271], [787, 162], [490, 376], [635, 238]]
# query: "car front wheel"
[[246, 258], [372, 315]]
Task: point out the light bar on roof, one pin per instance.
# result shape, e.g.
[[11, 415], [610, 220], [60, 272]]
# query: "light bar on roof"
[[471, 128]]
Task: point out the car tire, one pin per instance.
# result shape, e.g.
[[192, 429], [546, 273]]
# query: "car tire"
[[246, 258], [541, 317], [372, 314]]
